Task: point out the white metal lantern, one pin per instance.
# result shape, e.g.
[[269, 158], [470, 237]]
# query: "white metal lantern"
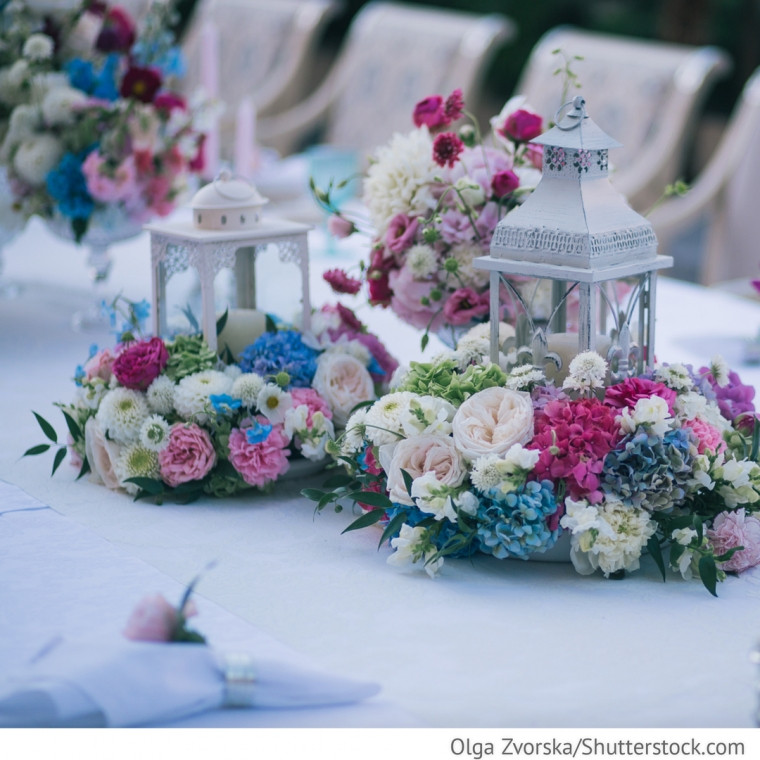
[[579, 233], [225, 236]]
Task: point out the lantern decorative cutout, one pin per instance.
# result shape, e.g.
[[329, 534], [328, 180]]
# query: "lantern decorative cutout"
[[224, 241], [578, 233]]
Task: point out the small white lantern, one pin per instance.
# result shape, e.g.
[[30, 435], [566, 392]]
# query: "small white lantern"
[[226, 232], [579, 232]]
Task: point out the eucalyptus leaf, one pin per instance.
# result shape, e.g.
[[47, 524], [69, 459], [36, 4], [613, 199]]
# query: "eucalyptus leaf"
[[84, 469]]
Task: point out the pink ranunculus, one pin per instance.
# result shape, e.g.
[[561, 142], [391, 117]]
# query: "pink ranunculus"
[[407, 300], [341, 282], [504, 182], [430, 112], [340, 227], [446, 149], [628, 392], [154, 619], [465, 305], [139, 364], [401, 233], [260, 463], [189, 455], [522, 125], [310, 398], [736, 528], [100, 365], [709, 438]]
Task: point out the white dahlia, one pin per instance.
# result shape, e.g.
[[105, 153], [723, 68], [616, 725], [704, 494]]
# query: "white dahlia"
[[191, 397], [122, 413]]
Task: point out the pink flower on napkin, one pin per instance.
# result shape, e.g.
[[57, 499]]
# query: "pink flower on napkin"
[[731, 529], [140, 363], [189, 455], [154, 619]]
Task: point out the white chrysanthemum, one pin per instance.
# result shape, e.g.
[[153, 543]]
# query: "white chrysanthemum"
[[273, 403], [17, 73], [523, 376], [191, 396], [247, 388], [38, 47], [59, 106], [154, 433], [91, 393], [122, 413], [399, 179], [587, 371], [408, 550], [719, 370], [427, 415], [160, 395], [42, 84], [136, 461], [36, 156], [422, 261], [233, 371], [470, 276], [353, 437], [383, 418], [675, 376]]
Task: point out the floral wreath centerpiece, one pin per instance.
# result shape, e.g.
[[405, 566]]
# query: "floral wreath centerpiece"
[[91, 129], [168, 418]]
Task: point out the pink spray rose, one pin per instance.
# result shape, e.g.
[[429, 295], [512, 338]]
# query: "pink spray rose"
[[464, 305], [100, 365], [139, 364], [430, 112], [189, 455], [260, 463], [522, 125], [154, 619], [737, 528], [400, 233]]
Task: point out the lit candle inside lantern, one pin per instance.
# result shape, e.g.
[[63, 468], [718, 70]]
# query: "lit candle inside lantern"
[[241, 329], [209, 55], [245, 138], [565, 345]]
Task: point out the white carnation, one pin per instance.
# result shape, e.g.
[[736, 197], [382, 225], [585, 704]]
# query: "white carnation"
[[36, 156], [122, 413], [191, 396], [160, 395], [247, 388]]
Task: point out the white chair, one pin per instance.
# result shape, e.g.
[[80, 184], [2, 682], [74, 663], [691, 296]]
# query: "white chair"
[[394, 55], [646, 94], [724, 198]]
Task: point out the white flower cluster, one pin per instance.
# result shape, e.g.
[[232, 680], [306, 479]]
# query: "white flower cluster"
[[587, 371]]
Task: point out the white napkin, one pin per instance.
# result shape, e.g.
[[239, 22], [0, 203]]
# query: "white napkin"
[[131, 683]]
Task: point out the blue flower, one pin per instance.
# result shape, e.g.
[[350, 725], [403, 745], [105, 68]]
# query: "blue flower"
[[258, 432], [101, 84], [374, 368], [79, 375], [282, 351], [440, 532], [67, 185], [515, 524], [224, 404]]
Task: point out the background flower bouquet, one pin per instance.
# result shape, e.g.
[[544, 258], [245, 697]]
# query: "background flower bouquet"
[[468, 457], [90, 127], [434, 197], [169, 418]]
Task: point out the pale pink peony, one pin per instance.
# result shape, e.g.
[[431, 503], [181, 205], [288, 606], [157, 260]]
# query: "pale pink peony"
[[100, 365], [154, 619], [260, 463], [492, 421], [101, 455], [420, 454], [708, 436], [343, 381], [732, 529], [189, 455]]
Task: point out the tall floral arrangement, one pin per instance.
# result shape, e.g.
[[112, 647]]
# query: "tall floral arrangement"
[[90, 124], [434, 197]]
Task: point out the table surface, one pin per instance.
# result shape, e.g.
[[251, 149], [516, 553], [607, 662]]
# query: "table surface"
[[488, 643]]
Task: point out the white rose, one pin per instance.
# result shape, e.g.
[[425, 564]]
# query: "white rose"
[[421, 454], [492, 421], [36, 156], [101, 455], [343, 381]]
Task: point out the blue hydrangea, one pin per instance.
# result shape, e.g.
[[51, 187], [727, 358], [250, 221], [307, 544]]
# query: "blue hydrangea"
[[282, 351], [515, 524], [649, 471], [446, 530], [68, 187]]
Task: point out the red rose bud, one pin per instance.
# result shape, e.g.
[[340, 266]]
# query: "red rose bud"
[[505, 182], [522, 125], [117, 35], [140, 83], [430, 112]]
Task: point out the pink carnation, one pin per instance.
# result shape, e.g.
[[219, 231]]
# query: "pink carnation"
[[100, 365], [310, 398], [628, 392], [110, 186], [189, 455], [154, 619], [260, 463], [341, 282], [464, 305], [731, 529], [401, 232], [708, 436], [139, 364]]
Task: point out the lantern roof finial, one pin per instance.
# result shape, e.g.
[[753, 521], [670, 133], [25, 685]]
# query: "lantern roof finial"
[[573, 128]]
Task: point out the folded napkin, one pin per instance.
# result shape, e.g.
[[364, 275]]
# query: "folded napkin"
[[132, 683]]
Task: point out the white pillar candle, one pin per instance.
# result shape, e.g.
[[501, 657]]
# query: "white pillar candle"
[[245, 138], [242, 328], [209, 55], [565, 345]]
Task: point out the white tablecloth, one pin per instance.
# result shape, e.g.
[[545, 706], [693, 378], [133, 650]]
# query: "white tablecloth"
[[488, 643]]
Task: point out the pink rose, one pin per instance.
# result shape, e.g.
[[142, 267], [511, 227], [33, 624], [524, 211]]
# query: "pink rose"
[[310, 398], [189, 455], [407, 300], [465, 305], [263, 462], [139, 364], [100, 365], [522, 125], [154, 619], [708, 436], [736, 528], [401, 233], [343, 381], [504, 182], [339, 227], [430, 112], [420, 454]]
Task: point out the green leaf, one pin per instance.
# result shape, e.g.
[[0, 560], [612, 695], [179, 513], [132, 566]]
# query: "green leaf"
[[39, 449], [325, 500], [653, 547], [222, 321], [74, 429], [47, 428], [371, 498], [755, 440], [425, 340], [313, 494], [408, 480], [150, 485], [60, 455], [367, 519], [391, 528], [84, 469], [270, 324], [708, 573]]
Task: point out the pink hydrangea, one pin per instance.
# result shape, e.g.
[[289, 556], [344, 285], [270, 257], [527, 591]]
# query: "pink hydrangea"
[[100, 365], [310, 398], [188, 456], [737, 528], [628, 392], [260, 463], [401, 233], [140, 363], [709, 438], [465, 305]]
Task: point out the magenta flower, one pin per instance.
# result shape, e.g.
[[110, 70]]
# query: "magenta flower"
[[454, 106], [117, 35], [140, 83], [732, 529], [139, 364], [504, 183], [263, 462], [734, 398], [446, 149], [401, 233], [465, 305], [522, 125], [189, 455], [341, 282], [430, 112], [168, 101], [628, 392]]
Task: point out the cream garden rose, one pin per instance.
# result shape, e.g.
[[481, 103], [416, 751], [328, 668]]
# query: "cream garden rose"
[[343, 381], [492, 421], [102, 455]]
